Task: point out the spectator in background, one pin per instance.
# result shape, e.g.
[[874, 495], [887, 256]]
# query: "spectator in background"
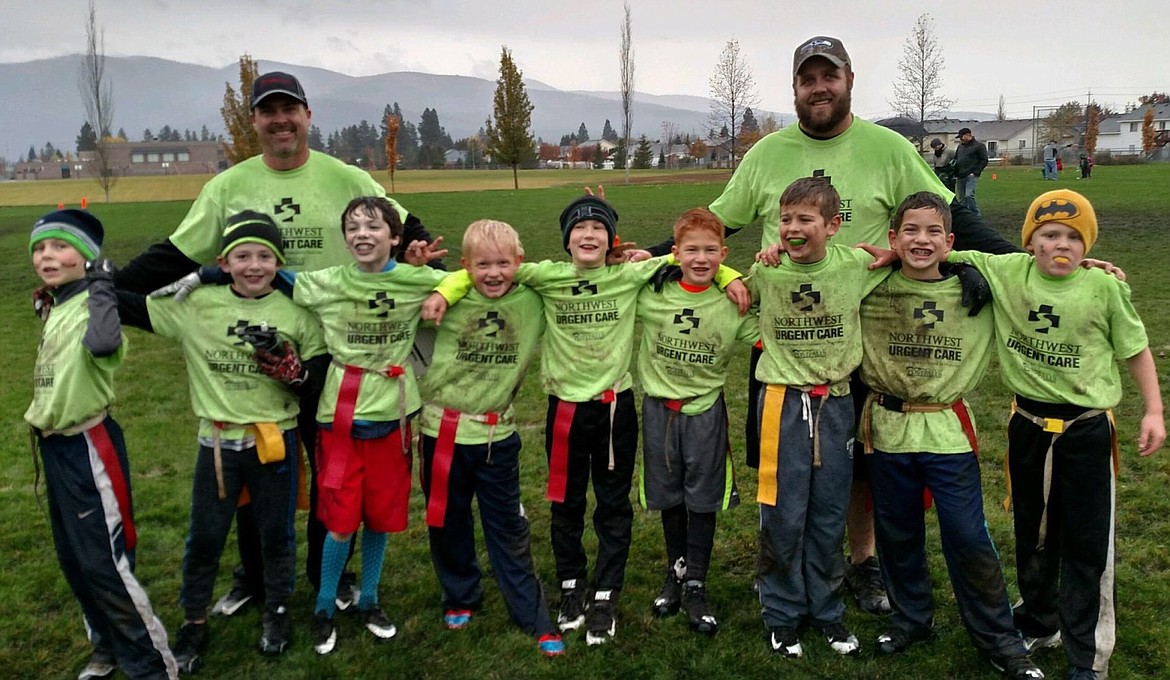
[[970, 159]]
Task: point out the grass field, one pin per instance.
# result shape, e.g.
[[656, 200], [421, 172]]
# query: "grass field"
[[41, 633]]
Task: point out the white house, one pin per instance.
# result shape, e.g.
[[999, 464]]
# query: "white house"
[[1006, 138], [1121, 135]]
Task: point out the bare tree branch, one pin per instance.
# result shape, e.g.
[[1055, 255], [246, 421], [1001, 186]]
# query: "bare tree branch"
[[626, 57], [918, 89], [98, 98], [733, 91]]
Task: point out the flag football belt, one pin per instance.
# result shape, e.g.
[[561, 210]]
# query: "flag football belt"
[[767, 490], [558, 463], [1056, 427], [351, 381], [892, 403], [269, 446], [98, 440], [445, 453]]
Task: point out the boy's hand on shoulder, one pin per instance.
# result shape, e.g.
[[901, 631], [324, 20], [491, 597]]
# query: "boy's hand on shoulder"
[[883, 257], [770, 256], [180, 289], [1109, 267], [434, 308], [419, 253], [738, 293], [976, 290], [282, 364], [626, 252]]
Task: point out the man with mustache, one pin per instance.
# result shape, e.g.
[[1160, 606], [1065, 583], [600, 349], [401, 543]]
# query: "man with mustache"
[[303, 191]]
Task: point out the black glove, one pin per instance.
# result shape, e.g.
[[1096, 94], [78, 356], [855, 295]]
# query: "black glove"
[[42, 302], [100, 269], [263, 338], [976, 291], [667, 272]]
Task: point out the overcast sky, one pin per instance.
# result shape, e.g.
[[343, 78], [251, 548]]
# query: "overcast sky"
[[1031, 52]]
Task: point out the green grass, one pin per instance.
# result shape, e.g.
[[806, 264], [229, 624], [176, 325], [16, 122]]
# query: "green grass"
[[41, 632]]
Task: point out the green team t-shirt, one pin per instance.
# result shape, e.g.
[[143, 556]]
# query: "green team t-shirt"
[[70, 384], [873, 169], [370, 321], [920, 346], [226, 385], [482, 350], [1058, 338], [687, 342], [809, 321], [305, 202]]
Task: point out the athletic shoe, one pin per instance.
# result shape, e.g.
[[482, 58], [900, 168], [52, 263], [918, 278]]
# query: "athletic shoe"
[[235, 600], [376, 621], [457, 619], [897, 640], [1081, 673], [1017, 667], [784, 642], [189, 645], [699, 616], [324, 634], [276, 631], [1043, 642], [101, 665], [551, 644], [601, 624], [669, 598], [865, 582], [841, 640], [572, 613], [348, 593]]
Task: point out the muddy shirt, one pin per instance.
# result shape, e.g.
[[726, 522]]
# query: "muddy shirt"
[[1058, 338], [69, 383], [370, 321], [482, 351], [305, 203], [809, 320], [920, 346], [872, 168], [687, 342], [225, 383]]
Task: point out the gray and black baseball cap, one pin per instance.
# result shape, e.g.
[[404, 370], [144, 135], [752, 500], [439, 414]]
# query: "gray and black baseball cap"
[[277, 82], [821, 46]]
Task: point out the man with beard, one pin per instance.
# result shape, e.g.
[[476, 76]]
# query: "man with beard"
[[304, 191], [873, 169]]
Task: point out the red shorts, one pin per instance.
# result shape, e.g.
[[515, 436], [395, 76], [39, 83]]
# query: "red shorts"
[[375, 489]]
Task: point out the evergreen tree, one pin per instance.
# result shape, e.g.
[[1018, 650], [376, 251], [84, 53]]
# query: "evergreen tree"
[[205, 134], [620, 156], [608, 133], [147, 135], [32, 153], [582, 133], [316, 143], [749, 123], [87, 138], [643, 155], [122, 135], [661, 160], [510, 137]]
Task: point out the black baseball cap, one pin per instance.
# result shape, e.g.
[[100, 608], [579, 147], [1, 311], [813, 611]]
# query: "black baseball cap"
[[277, 82], [821, 46], [963, 131]]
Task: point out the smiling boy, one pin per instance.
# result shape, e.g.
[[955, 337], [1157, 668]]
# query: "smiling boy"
[[1059, 330], [470, 445], [370, 312], [811, 337], [247, 408], [689, 329], [922, 353]]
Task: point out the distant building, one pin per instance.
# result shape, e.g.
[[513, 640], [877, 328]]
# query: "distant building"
[[133, 159], [1121, 135]]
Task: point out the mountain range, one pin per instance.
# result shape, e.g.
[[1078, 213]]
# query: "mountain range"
[[42, 103]]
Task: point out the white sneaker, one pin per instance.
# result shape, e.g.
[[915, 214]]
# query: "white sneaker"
[[784, 642], [841, 640], [1043, 642]]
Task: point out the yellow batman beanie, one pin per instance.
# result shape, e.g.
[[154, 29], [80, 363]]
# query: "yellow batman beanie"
[[1068, 208]]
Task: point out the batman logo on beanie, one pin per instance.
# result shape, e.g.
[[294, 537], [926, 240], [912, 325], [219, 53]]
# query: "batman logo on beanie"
[[1056, 209]]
